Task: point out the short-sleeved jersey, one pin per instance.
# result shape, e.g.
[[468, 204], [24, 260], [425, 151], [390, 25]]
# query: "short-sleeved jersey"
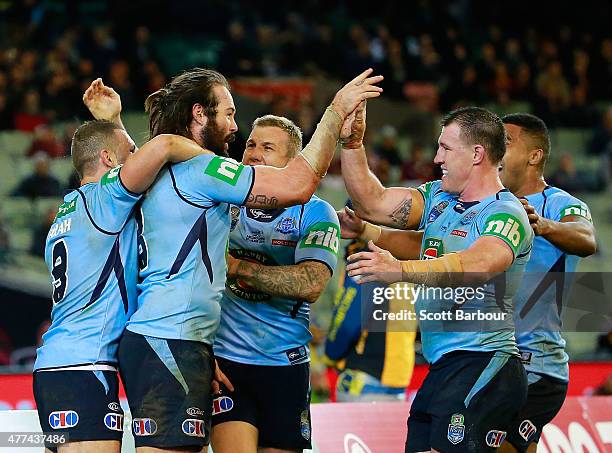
[[451, 225], [257, 328], [183, 230], [91, 255], [539, 300]]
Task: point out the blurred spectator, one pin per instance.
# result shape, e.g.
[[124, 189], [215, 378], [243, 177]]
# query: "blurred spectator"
[[239, 56], [30, 115], [46, 142], [119, 77], [570, 179], [26, 356], [40, 232], [601, 141], [6, 117], [41, 183], [554, 92], [419, 167], [387, 147]]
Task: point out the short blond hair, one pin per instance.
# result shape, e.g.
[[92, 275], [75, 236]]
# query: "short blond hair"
[[294, 133]]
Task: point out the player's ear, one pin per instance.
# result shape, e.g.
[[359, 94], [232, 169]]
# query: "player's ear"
[[108, 158], [536, 156], [199, 115], [478, 154]]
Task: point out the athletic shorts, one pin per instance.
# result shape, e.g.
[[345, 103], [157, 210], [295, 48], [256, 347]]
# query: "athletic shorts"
[[274, 399], [168, 386], [544, 400], [467, 402], [84, 405]]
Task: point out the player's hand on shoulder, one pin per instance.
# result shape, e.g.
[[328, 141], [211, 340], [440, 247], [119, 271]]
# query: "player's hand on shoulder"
[[102, 101], [377, 265], [357, 90], [537, 222], [351, 226]]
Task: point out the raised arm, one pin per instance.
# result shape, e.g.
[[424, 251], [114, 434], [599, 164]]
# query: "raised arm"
[[296, 183], [303, 281], [572, 234], [396, 207], [103, 102], [402, 244]]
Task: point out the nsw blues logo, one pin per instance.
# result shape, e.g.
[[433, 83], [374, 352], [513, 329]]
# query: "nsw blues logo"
[[222, 404], [194, 427], [468, 218], [456, 429], [437, 210], [144, 426], [286, 225], [113, 422], [63, 419]]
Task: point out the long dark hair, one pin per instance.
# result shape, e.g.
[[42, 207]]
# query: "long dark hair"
[[170, 108]]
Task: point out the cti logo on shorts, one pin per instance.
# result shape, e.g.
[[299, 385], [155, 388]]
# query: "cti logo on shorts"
[[222, 404], [144, 426], [456, 429], [113, 421], [495, 438], [194, 427], [527, 429], [63, 419]]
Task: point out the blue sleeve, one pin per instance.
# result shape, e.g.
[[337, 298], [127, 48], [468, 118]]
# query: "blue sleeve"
[[345, 328], [212, 179], [319, 234], [508, 221], [561, 205], [110, 204], [429, 191]]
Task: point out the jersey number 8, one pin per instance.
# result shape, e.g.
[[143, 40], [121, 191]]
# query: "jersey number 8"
[[59, 271]]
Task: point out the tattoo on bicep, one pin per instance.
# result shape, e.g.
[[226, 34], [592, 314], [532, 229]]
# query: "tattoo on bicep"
[[262, 201], [401, 213]]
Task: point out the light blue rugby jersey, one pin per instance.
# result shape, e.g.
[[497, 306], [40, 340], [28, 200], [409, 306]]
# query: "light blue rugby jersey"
[[452, 226], [538, 301], [91, 255], [183, 234], [257, 328]]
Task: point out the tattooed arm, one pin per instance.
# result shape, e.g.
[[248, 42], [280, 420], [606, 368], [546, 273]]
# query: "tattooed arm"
[[303, 281]]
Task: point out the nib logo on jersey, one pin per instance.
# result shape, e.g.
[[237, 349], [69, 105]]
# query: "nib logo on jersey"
[[222, 404], [322, 235], [63, 419], [194, 427], [113, 421], [506, 227], [434, 248], [144, 426]]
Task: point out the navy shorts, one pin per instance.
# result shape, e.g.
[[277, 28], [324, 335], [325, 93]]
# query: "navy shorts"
[[544, 400], [84, 405], [467, 402], [168, 386], [274, 399]]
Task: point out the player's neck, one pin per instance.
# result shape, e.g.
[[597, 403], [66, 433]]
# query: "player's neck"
[[482, 186], [533, 183], [95, 177]]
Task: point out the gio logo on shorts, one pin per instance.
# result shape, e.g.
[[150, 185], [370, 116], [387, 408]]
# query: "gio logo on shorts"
[[63, 419], [144, 426], [222, 404], [506, 227], [456, 429], [322, 235], [495, 438], [113, 421], [224, 169], [527, 430], [194, 427]]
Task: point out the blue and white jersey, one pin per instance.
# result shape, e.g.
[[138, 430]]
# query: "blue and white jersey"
[[260, 329], [182, 240], [450, 226], [539, 300], [91, 255]]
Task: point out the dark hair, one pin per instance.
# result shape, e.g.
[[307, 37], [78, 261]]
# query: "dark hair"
[[169, 108], [88, 140], [480, 127], [535, 128]]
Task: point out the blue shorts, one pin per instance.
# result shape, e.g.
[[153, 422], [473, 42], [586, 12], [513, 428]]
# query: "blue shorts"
[[467, 402]]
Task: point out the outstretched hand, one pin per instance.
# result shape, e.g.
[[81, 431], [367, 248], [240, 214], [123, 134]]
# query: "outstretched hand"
[[103, 102], [351, 226], [353, 128], [377, 265], [353, 93]]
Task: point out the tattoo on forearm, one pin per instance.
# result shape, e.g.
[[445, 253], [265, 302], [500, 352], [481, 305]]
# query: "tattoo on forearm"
[[262, 201], [300, 282], [401, 213]]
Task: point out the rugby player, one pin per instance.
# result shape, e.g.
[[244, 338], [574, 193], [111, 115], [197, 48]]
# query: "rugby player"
[[91, 256], [564, 233], [280, 261], [473, 231], [166, 358]]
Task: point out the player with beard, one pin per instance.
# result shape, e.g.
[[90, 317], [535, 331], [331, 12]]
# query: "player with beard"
[[564, 233], [283, 260], [473, 231], [165, 355]]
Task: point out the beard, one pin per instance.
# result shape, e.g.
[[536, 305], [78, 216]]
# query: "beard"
[[215, 139]]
